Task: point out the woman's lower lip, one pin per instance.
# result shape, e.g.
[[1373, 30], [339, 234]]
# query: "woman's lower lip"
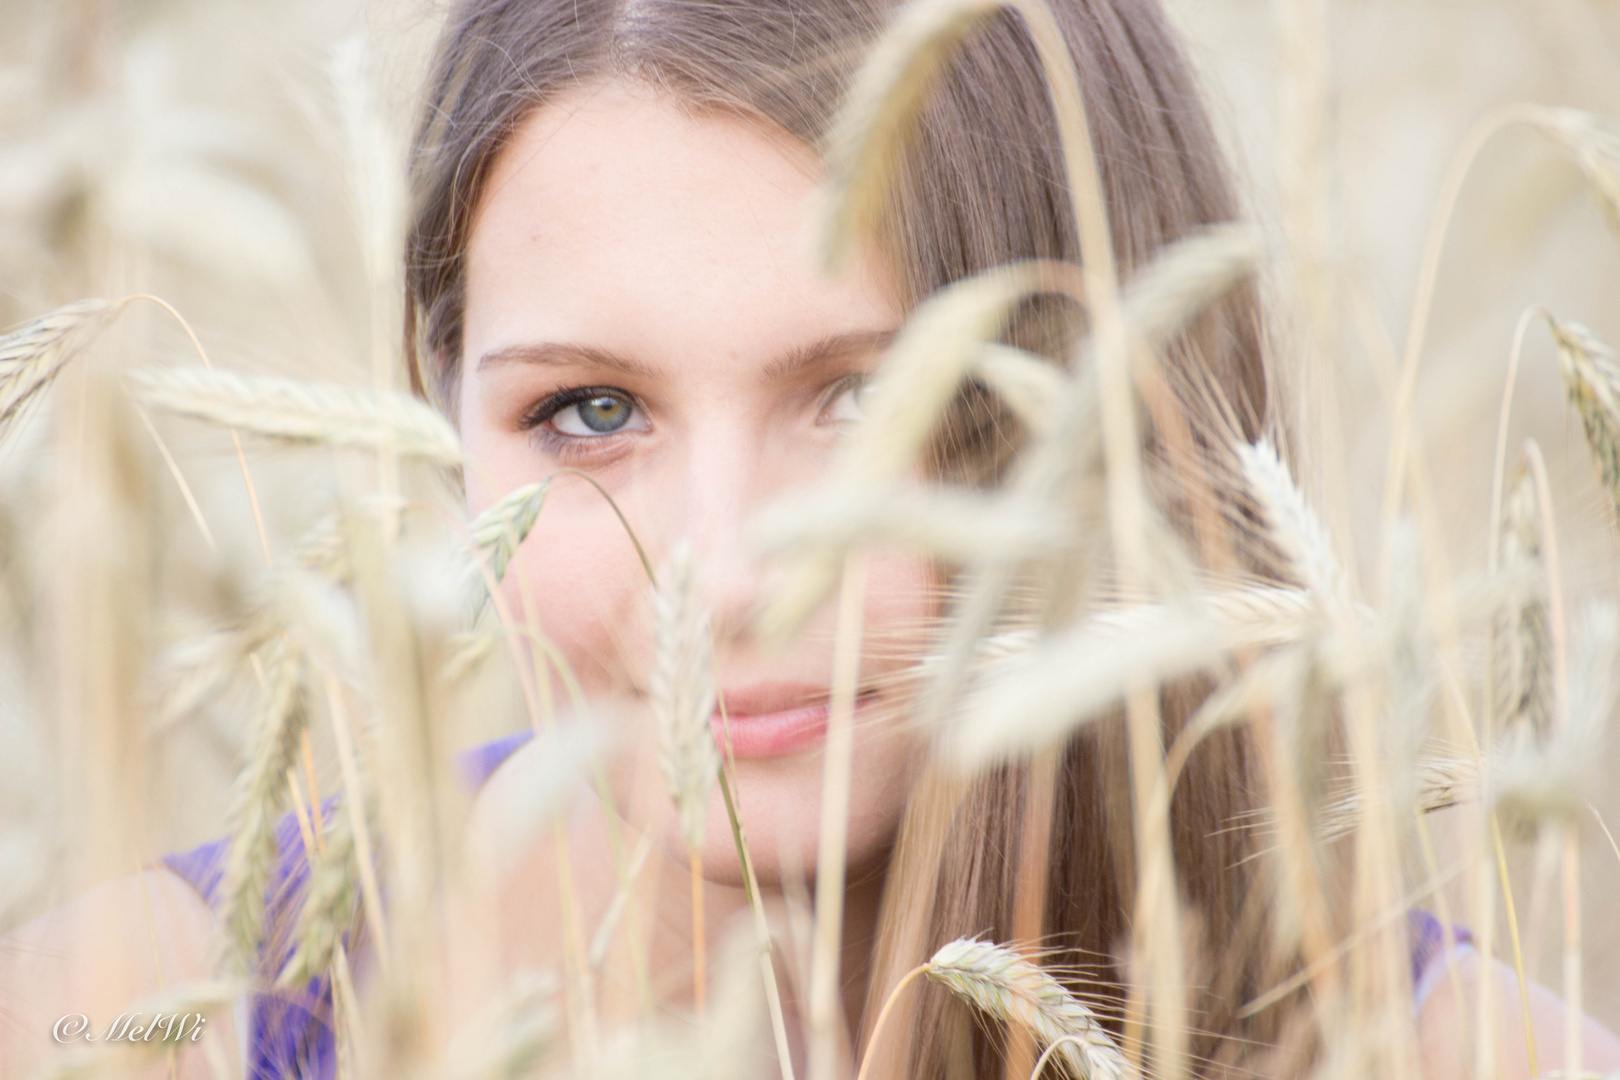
[[772, 734]]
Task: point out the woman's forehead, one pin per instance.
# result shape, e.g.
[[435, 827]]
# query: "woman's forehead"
[[616, 217]]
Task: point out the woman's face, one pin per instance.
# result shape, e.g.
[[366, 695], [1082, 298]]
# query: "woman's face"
[[644, 304]]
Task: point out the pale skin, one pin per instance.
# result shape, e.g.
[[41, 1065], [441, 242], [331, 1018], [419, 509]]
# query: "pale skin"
[[659, 261]]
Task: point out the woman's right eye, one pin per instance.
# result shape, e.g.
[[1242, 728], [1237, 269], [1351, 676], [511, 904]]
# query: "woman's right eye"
[[588, 412]]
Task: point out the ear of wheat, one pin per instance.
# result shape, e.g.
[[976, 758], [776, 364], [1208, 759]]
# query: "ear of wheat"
[[683, 695], [1005, 985], [1295, 528], [1592, 381], [499, 530], [1534, 780], [1596, 149], [33, 354], [954, 525], [329, 906], [1525, 699], [891, 86], [256, 799], [1035, 698], [322, 413]]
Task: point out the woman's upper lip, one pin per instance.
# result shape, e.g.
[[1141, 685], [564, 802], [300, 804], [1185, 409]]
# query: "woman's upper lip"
[[754, 699]]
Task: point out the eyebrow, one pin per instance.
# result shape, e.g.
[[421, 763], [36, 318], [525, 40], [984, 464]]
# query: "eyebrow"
[[790, 364]]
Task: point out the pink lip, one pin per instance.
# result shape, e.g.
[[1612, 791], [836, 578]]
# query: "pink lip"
[[772, 719]]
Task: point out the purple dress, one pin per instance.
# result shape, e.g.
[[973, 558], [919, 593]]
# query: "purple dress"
[[290, 1033]]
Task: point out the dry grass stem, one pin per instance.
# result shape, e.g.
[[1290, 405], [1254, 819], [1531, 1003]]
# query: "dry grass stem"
[[924, 368]]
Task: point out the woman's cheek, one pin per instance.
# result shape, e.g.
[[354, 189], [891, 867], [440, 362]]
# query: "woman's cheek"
[[586, 584]]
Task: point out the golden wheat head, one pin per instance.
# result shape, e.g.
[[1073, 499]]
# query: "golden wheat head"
[[1005, 985]]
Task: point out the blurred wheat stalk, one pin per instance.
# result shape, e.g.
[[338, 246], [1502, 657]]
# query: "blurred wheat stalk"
[[342, 628]]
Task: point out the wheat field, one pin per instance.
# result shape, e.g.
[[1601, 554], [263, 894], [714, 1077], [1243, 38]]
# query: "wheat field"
[[194, 487]]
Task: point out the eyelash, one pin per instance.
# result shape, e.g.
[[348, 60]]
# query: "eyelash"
[[556, 403], [854, 381]]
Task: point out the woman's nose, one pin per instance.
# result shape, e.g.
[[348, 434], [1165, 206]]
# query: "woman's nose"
[[728, 474]]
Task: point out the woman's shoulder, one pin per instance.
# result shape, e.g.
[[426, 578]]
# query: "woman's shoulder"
[[478, 763]]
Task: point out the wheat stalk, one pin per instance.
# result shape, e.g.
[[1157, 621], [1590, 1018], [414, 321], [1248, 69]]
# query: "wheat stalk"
[[1592, 382], [296, 411], [683, 700], [1005, 985]]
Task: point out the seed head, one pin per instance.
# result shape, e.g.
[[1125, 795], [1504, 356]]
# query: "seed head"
[[323, 413], [1592, 381], [33, 354], [1526, 664], [1596, 150], [1010, 988], [683, 696]]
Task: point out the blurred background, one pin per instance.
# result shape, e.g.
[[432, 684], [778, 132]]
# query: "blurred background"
[[215, 153]]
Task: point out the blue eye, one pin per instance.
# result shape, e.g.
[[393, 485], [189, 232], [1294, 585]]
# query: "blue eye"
[[602, 414], [588, 412]]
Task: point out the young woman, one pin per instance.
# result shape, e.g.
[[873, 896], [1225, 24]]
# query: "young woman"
[[612, 269]]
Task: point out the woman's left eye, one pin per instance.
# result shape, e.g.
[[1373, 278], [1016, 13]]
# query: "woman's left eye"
[[844, 406], [590, 413]]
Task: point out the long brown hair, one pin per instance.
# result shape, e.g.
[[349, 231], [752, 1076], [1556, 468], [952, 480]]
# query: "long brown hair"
[[983, 185]]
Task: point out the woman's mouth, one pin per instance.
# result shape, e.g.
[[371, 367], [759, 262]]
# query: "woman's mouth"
[[764, 720]]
